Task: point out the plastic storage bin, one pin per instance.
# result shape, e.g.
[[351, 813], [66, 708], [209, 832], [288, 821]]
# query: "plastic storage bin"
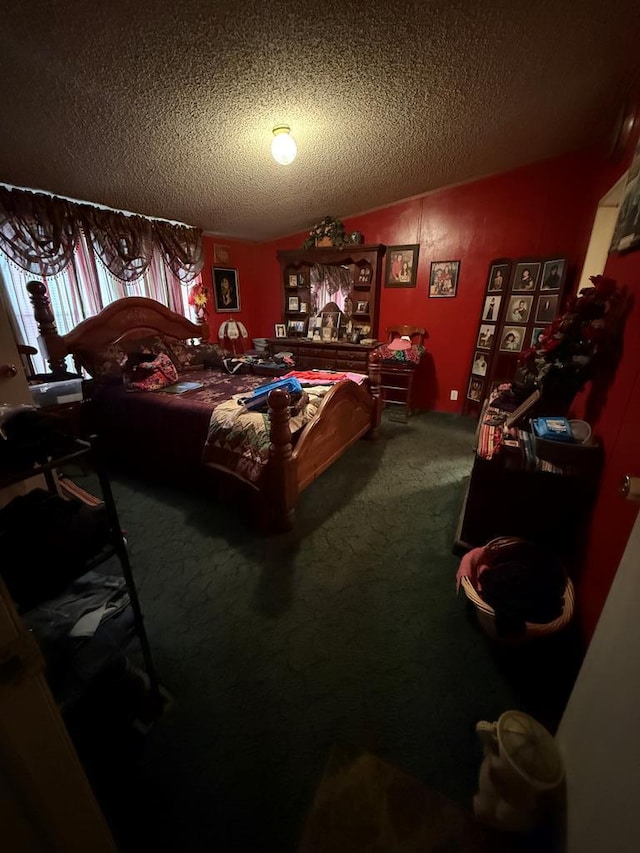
[[56, 393]]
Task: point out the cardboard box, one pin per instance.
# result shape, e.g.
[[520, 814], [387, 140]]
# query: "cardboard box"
[[56, 393]]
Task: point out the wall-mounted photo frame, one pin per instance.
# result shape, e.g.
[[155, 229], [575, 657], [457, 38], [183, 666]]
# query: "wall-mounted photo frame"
[[553, 274], [626, 234], [402, 265], [480, 364], [519, 309], [443, 278], [535, 335], [512, 339], [281, 331], [498, 277], [293, 303], [485, 336], [362, 307], [491, 308], [225, 289], [474, 392], [547, 307], [221, 254], [525, 276]]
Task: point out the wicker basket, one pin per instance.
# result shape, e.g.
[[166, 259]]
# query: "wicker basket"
[[487, 615]]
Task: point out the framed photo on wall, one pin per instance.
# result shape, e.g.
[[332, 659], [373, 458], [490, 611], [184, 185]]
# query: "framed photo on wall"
[[525, 276], [491, 308], [225, 289], [475, 389], [626, 234], [512, 339], [486, 335], [443, 278], [553, 274], [519, 309], [221, 254], [402, 266], [498, 277]]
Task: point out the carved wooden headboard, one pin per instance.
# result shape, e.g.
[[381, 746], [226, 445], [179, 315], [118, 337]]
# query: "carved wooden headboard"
[[131, 317]]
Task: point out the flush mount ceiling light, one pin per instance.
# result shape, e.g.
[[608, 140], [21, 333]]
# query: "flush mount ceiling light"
[[283, 145]]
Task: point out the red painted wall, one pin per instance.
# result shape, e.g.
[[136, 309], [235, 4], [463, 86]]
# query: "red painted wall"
[[542, 209]]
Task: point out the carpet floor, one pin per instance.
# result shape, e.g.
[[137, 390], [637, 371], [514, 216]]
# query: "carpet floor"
[[347, 629]]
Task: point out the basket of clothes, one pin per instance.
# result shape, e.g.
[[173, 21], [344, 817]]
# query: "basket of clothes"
[[519, 589]]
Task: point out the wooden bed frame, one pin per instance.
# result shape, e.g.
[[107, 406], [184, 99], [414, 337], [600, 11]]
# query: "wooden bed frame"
[[347, 412]]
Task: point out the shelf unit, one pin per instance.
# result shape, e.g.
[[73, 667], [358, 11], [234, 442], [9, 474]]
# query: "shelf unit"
[[86, 454]]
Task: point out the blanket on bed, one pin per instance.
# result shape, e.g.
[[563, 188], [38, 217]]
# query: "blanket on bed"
[[239, 440]]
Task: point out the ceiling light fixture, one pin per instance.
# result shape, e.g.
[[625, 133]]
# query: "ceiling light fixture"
[[283, 145]]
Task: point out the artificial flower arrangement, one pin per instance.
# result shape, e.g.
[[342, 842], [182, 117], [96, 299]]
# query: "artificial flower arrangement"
[[198, 300], [329, 228], [574, 345]]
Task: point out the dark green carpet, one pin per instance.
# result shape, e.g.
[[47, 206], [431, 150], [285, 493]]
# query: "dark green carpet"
[[344, 630]]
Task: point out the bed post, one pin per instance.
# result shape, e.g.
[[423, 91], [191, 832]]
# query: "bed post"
[[49, 340], [375, 381], [281, 494]]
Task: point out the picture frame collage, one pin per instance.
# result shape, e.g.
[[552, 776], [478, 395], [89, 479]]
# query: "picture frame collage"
[[522, 297]]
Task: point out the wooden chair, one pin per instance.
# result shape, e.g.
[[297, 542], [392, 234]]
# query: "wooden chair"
[[397, 376]]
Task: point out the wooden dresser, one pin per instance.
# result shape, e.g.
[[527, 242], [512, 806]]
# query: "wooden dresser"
[[333, 355]]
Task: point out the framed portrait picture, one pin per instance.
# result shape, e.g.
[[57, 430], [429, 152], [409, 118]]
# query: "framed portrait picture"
[[553, 274], [329, 324], [364, 276], [525, 276], [491, 308], [498, 277], [512, 339], [485, 336], [479, 367], [474, 391], [626, 234], [402, 266], [221, 254], [294, 303], [362, 307], [535, 335], [519, 309], [303, 307], [293, 280], [225, 289], [546, 308], [443, 278], [281, 331]]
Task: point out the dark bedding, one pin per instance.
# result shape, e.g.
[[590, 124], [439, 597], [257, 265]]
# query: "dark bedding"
[[158, 429]]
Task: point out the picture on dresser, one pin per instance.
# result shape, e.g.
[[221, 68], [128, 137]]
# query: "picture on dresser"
[[498, 278], [546, 309], [293, 280], [365, 275], [512, 339], [519, 309], [303, 307], [330, 320], [491, 308], [485, 336], [479, 364], [281, 331], [362, 307], [294, 303], [295, 327], [553, 274], [525, 277]]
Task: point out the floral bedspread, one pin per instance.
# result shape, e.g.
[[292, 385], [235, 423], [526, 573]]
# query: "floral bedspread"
[[239, 440]]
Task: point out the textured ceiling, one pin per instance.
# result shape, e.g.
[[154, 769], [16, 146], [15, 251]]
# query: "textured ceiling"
[[166, 108]]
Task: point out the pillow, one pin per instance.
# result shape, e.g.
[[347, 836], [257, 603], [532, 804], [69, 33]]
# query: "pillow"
[[192, 357], [150, 375], [104, 364]]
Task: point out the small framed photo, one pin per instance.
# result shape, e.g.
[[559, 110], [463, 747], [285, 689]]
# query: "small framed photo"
[[498, 277], [512, 339], [301, 280], [479, 364], [303, 307], [364, 276], [221, 254], [519, 309], [491, 308], [485, 336], [225, 289], [475, 389], [553, 274], [294, 303], [281, 331], [293, 280], [535, 335], [443, 279], [362, 307], [402, 266], [525, 276], [547, 308], [330, 320]]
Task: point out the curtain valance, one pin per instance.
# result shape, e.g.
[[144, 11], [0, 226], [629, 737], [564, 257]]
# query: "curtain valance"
[[39, 233]]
